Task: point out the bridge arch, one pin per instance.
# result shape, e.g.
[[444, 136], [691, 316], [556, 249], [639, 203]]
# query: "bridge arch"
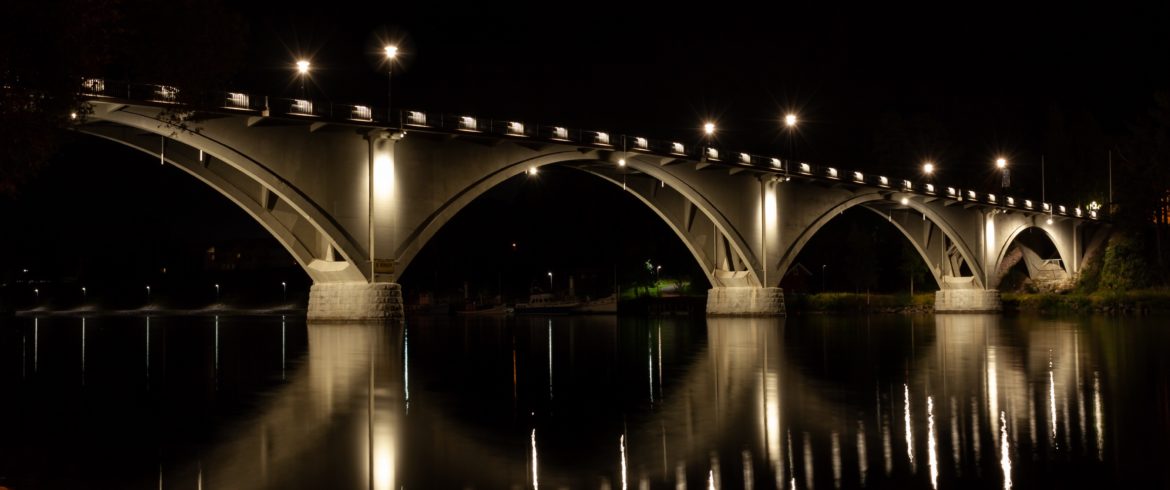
[[1038, 268], [672, 199], [318, 244], [936, 241]]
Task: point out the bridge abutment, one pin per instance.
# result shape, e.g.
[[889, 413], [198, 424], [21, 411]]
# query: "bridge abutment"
[[355, 301], [745, 301], [967, 301]]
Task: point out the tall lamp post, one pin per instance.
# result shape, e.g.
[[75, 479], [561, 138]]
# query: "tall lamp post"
[[550, 282], [1002, 165], [391, 53], [302, 73], [708, 134], [790, 125]]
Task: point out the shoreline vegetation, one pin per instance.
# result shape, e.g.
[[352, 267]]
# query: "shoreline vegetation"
[[1108, 302]]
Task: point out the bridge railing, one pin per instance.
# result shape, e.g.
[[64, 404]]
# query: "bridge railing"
[[312, 110]]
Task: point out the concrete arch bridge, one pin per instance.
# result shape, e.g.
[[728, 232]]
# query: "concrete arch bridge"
[[354, 198]]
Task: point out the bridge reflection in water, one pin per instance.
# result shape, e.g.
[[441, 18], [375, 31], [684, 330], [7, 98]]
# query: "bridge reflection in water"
[[803, 402], [589, 402]]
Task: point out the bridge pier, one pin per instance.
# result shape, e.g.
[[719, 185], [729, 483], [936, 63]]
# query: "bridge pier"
[[967, 301], [355, 301], [745, 301]]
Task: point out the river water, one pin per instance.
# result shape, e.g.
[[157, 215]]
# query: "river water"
[[815, 402]]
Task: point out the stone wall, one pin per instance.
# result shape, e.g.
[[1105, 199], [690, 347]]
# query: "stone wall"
[[745, 301], [355, 301], [967, 300]]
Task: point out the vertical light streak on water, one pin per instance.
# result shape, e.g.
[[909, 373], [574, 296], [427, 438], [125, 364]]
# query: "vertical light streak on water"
[[931, 443], [772, 423], [282, 347], [199, 477], [808, 462], [406, 369], [710, 480], [650, 364], [956, 444], [82, 350], [791, 465], [217, 350], [975, 439], [1032, 415], [909, 427], [992, 391], [749, 474], [1098, 417], [1005, 460], [835, 445], [535, 477], [1080, 394], [887, 446], [680, 476], [550, 372], [659, 360], [1052, 401], [622, 445], [148, 347], [862, 454]]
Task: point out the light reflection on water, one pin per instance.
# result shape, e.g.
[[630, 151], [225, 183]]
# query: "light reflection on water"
[[234, 406]]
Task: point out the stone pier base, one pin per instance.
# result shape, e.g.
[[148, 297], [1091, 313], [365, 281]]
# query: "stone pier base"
[[745, 301], [355, 301], [967, 301]]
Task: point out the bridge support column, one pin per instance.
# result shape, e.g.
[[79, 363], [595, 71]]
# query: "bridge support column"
[[355, 301], [745, 301], [967, 301]]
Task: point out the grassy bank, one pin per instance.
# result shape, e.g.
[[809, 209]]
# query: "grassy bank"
[[1144, 301]]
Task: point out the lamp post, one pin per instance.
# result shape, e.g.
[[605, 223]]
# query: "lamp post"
[[284, 291], [36, 295], [217, 293], [708, 134], [1002, 164], [790, 125], [83, 294], [550, 282], [391, 53], [148, 294], [928, 169], [302, 73], [658, 280]]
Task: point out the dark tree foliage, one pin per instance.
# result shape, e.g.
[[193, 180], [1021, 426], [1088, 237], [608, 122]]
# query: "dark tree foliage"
[[48, 48], [1143, 188]]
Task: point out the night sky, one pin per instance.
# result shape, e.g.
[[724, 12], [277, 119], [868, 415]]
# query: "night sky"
[[879, 89]]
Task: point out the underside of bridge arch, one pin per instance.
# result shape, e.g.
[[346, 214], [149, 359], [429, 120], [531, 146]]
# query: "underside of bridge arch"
[[1032, 259], [949, 257], [323, 257]]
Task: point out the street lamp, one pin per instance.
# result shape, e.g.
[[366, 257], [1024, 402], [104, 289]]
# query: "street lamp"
[[148, 293], [302, 73], [790, 124], [550, 282], [36, 294], [709, 129], [928, 168], [217, 292], [1002, 164], [658, 280], [83, 294], [284, 290], [391, 53]]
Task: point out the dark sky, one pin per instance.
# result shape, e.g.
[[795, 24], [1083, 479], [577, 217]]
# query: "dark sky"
[[879, 88]]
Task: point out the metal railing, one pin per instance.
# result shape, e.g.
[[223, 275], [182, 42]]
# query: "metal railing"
[[308, 109]]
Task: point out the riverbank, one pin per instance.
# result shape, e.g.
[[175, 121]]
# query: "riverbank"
[[1130, 302]]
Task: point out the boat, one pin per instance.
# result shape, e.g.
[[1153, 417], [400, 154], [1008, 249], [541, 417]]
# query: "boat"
[[547, 304]]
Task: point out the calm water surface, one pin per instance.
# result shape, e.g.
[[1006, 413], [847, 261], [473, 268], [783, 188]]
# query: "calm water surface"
[[823, 402]]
